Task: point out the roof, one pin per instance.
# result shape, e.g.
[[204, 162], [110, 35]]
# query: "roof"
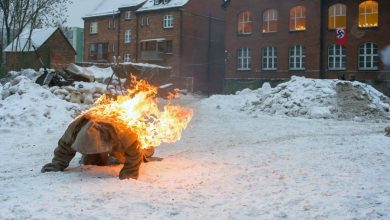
[[109, 7], [150, 6], [23, 44]]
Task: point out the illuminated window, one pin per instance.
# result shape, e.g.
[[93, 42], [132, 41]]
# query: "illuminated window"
[[244, 59], [270, 21], [245, 23], [368, 57], [297, 57], [337, 16], [368, 14], [337, 57], [298, 18], [270, 60]]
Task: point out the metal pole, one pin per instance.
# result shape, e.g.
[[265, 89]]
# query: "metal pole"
[[209, 57]]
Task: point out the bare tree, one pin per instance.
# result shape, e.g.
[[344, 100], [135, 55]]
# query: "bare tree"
[[19, 15]]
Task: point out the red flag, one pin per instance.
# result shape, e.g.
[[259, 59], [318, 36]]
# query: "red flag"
[[341, 36]]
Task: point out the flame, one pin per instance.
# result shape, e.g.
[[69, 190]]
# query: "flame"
[[138, 111]]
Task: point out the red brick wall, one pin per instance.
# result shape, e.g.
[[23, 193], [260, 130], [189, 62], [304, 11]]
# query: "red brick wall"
[[356, 37], [282, 39], [128, 48], [104, 35], [155, 30]]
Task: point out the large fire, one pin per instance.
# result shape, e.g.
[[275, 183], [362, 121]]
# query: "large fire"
[[138, 111]]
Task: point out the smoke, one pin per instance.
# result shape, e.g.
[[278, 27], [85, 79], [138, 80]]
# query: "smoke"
[[385, 55]]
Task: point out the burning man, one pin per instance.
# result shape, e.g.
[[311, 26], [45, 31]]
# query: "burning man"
[[122, 127], [97, 141]]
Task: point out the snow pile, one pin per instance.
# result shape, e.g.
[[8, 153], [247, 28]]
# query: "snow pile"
[[99, 74], [315, 98], [26, 104]]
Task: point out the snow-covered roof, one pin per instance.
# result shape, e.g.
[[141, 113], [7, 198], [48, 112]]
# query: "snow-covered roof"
[[109, 7], [150, 6], [38, 37]]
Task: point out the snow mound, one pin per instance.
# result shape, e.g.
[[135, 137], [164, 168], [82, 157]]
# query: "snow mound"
[[320, 99], [26, 104]]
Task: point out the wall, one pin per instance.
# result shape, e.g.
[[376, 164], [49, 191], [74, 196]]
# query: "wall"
[[282, 39]]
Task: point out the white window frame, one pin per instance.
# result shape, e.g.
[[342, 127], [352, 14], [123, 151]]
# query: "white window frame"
[[337, 57], [128, 36], [298, 15], [370, 60], [297, 56], [168, 21], [126, 58], [93, 27], [128, 15], [268, 16], [244, 59], [335, 11], [269, 58]]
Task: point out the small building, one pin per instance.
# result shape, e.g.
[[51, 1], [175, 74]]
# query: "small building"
[[50, 44]]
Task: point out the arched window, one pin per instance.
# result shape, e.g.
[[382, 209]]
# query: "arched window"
[[337, 16], [270, 21], [270, 58], [298, 18], [368, 14], [244, 58], [245, 23], [297, 57], [337, 57], [368, 57]]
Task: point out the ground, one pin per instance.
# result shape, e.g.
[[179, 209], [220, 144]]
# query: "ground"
[[228, 165]]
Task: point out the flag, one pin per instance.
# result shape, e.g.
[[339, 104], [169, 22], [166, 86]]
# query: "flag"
[[341, 36]]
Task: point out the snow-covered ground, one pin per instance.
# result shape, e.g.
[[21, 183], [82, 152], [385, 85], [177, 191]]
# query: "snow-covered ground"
[[233, 161]]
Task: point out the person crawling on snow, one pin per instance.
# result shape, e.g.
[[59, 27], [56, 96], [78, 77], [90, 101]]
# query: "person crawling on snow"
[[99, 142]]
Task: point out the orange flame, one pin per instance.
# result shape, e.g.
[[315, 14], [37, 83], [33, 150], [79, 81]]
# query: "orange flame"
[[139, 112]]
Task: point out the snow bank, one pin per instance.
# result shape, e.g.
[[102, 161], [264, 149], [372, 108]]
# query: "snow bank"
[[322, 99], [25, 104]]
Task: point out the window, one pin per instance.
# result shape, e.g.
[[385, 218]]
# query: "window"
[[93, 28], [245, 23], [297, 57], [244, 59], [168, 21], [298, 18], [127, 36], [126, 58], [144, 21], [98, 51], [270, 21], [368, 14], [127, 15], [157, 2], [269, 58], [337, 57], [337, 16], [169, 46], [368, 57]]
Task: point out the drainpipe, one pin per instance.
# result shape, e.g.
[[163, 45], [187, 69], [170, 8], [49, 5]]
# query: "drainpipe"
[[119, 32], [322, 37], [136, 37], [181, 43]]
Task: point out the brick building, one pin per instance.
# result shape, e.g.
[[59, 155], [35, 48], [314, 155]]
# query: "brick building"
[[187, 35], [51, 45], [275, 39]]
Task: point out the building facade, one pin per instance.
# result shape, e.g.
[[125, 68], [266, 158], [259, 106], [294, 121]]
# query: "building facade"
[[275, 39], [186, 35]]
